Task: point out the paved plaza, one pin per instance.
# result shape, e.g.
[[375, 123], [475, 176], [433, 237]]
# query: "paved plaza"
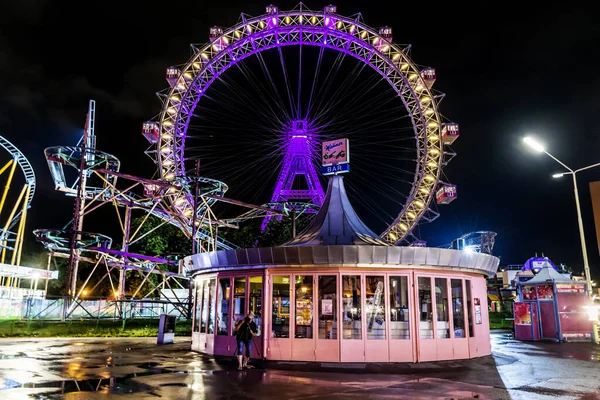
[[136, 368]]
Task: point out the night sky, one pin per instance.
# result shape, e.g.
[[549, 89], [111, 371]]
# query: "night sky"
[[507, 72]]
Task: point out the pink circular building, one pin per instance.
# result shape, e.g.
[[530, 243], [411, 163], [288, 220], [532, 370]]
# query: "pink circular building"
[[338, 293]]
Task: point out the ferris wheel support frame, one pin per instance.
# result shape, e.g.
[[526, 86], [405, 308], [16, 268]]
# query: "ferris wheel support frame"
[[326, 29]]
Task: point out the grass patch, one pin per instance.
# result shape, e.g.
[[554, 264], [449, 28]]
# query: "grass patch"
[[498, 320], [88, 328]]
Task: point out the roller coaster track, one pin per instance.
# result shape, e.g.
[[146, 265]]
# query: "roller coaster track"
[[27, 169]]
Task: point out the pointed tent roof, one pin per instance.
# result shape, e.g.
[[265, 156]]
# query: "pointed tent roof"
[[548, 274], [337, 223]]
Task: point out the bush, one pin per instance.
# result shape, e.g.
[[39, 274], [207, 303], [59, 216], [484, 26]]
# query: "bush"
[[88, 328]]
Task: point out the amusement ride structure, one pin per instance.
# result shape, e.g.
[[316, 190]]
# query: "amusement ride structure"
[[11, 241], [328, 31], [180, 197]]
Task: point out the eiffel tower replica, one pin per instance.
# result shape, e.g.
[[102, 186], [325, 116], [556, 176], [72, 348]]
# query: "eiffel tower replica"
[[297, 160]]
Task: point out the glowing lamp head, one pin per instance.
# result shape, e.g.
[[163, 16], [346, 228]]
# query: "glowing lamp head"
[[592, 312], [534, 144]]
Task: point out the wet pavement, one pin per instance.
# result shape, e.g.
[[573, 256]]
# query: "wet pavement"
[[135, 368]]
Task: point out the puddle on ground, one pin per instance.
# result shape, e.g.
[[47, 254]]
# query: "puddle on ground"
[[121, 385]]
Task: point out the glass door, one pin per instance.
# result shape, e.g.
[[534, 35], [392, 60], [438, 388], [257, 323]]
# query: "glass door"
[[303, 341], [401, 348], [352, 346], [224, 341], [327, 346], [376, 346], [460, 340], [443, 322], [280, 344], [255, 305], [426, 344]]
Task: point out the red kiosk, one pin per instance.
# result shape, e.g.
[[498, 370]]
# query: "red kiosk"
[[551, 306]]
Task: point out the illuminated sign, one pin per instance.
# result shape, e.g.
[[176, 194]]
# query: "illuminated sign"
[[335, 152]]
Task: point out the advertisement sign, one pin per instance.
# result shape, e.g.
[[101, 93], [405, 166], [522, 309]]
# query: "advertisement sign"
[[544, 292], [537, 265], [335, 169], [327, 306], [522, 313], [477, 302], [303, 312], [19, 271], [570, 288], [335, 152], [528, 293]]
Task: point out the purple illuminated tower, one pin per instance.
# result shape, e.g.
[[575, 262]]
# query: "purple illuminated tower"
[[298, 156]]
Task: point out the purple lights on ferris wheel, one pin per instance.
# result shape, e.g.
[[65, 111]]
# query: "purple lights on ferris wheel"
[[326, 29]]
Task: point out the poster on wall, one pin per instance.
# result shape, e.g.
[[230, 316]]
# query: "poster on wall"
[[327, 306], [544, 292], [528, 293], [303, 312], [477, 302], [522, 313]]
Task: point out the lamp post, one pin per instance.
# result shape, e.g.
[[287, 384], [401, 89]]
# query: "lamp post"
[[538, 147]]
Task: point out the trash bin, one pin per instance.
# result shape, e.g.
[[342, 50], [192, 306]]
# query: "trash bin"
[[166, 329]]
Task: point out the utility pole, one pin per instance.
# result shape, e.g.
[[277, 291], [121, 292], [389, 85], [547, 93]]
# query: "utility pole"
[[195, 211], [293, 213], [88, 142], [120, 295]]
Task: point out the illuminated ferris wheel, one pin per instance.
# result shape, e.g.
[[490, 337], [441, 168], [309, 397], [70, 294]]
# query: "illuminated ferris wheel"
[[259, 50]]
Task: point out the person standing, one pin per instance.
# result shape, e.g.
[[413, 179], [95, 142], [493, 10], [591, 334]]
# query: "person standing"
[[245, 331]]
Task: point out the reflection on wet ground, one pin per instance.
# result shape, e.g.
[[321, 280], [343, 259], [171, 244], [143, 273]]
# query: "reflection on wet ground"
[[137, 368]]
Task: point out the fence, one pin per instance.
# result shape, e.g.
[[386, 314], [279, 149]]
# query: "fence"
[[53, 309]]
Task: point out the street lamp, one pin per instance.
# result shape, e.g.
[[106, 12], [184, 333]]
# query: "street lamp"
[[537, 146]]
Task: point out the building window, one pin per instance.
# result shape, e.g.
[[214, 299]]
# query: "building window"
[[304, 307], [280, 321], [223, 306], [375, 307], [442, 323], [212, 288], [255, 306], [399, 314], [352, 325], [239, 298], [458, 307], [425, 309], [469, 307], [328, 307]]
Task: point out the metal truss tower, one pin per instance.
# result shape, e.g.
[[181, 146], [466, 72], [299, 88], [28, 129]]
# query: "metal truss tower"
[[298, 156]]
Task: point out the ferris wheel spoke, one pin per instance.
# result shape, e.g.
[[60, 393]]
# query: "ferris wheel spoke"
[[287, 82], [261, 88], [382, 188], [271, 83], [367, 203], [364, 90], [348, 108], [299, 100], [314, 81], [208, 114], [245, 100], [341, 94], [329, 78]]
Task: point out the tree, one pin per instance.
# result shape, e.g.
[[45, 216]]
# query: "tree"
[[166, 241], [277, 232]]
